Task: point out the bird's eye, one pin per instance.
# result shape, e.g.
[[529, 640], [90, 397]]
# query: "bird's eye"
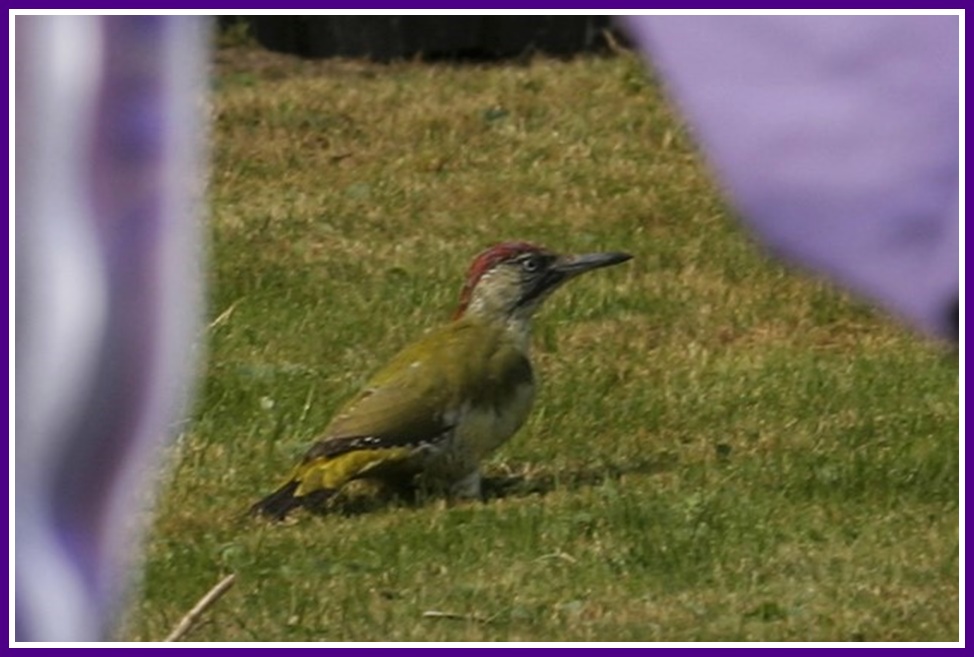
[[531, 264]]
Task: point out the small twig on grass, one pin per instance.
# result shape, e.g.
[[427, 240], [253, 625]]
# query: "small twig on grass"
[[223, 317], [558, 555], [448, 615], [193, 615]]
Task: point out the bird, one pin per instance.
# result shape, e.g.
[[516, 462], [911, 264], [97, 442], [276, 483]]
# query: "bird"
[[449, 399]]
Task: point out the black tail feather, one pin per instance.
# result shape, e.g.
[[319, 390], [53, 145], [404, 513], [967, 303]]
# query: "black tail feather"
[[279, 503], [282, 501]]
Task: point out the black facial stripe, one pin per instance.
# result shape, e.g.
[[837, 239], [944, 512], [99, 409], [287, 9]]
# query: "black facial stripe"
[[544, 280]]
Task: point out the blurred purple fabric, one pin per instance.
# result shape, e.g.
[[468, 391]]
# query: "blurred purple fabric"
[[109, 146], [836, 137]]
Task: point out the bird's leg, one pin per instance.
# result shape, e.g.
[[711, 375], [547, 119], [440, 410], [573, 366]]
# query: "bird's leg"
[[468, 487]]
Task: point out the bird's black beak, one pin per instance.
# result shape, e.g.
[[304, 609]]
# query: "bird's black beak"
[[573, 265]]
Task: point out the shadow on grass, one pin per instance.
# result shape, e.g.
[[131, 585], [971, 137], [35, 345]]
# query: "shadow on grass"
[[542, 483], [369, 497]]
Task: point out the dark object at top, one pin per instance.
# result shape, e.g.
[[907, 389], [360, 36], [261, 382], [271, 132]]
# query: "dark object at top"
[[384, 38]]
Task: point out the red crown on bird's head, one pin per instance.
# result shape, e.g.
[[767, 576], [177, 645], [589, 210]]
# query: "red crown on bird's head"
[[487, 260]]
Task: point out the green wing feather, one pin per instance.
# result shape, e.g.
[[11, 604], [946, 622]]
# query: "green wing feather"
[[406, 404], [408, 399]]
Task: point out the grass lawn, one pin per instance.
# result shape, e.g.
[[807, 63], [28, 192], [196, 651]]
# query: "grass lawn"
[[721, 450]]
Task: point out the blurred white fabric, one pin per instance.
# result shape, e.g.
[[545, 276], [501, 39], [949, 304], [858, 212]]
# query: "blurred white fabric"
[[109, 146], [836, 137]]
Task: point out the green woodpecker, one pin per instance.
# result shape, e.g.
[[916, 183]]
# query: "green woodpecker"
[[449, 399]]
